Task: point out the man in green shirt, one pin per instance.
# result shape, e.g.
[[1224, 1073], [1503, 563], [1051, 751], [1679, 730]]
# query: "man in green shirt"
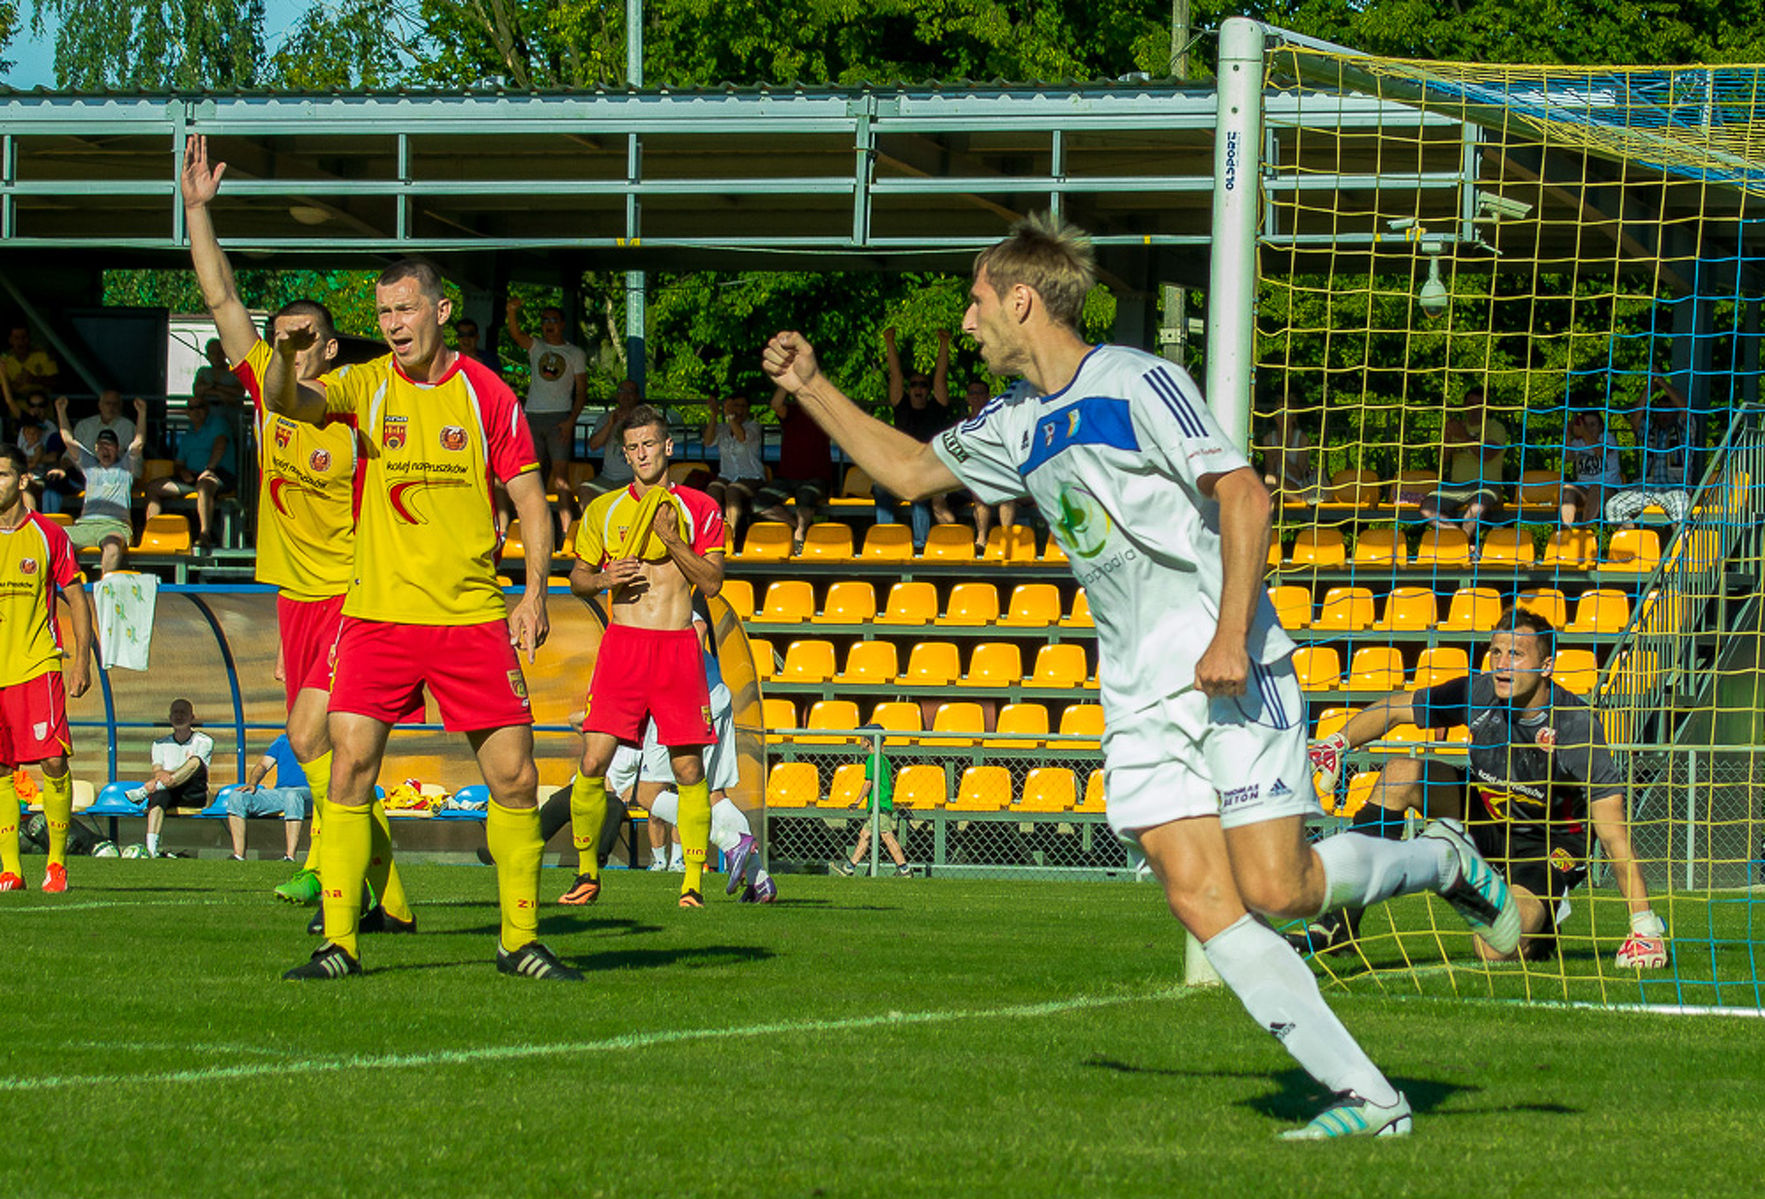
[[879, 782]]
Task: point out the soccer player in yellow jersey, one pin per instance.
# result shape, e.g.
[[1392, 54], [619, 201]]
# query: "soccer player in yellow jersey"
[[423, 610], [650, 544], [305, 530], [37, 562]]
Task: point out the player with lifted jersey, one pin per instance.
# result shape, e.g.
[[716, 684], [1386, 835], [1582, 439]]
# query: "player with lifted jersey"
[[37, 564], [305, 528], [651, 545], [1166, 525], [423, 610]]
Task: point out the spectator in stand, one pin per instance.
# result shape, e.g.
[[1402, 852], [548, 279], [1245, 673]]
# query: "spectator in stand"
[[1663, 431], [466, 342], [200, 470], [1473, 457], [43, 449], [1592, 456], [977, 394], [1289, 460], [557, 388], [736, 436], [615, 471], [805, 469], [289, 798], [26, 368], [920, 407], [215, 383], [109, 416], [878, 792], [180, 772], [110, 476]]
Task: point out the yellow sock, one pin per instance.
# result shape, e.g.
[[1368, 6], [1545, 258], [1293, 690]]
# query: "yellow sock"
[[513, 834], [58, 810], [343, 867], [695, 830], [318, 781], [383, 871], [588, 813], [9, 827]]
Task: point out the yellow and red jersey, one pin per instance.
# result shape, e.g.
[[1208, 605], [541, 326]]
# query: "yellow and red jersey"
[[306, 495], [604, 532], [426, 538], [36, 559]]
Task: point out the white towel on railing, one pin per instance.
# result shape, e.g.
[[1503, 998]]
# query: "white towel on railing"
[[125, 601]]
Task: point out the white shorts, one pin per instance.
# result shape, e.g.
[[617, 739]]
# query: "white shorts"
[[653, 764], [1241, 758]]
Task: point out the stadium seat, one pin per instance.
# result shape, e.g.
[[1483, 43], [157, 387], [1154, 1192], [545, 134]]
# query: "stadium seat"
[[1507, 547], [887, 543], [869, 662], [1049, 789], [1318, 548], [1440, 663], [1025, 719], [961, 717], [1094, 797], [847, 786], [765, 658], [830, 714], [996, 664], [932, 664], [793, 785], [1318, 666], [169, 533], [1381, 547], [1442, 547], [807, 662], [971, 604], [1080, 616], [1408, 609], [1274, 560], [152, 469], [1571, 549], [899, 716], [1548, 602], [849, 601], [768, 541], [1698, 549], [778, 713], [514, 544], [1541, 492], [1472, 610], [1360, 793], [1331, 720], [61, 519], [1345, 610], [1576, 671], [1081, 720], [1354, 488], [910, 603], [1412, 487], [827, 541], [983, 789], [1033, 606], [1663, 612], [1292, 605], [1053, 551], [857, 485], [921, 786], [1376, 668], [1600, 610], [1635, 551], [788, 601], [1014, 544], [739, 595], [1402, 739], [949, 543], [1062, 665]]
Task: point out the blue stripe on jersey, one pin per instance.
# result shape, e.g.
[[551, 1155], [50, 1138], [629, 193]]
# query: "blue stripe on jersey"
[[1091, 420], [1161, 382]]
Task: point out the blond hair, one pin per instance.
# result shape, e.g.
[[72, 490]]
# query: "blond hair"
[[1051, 258]]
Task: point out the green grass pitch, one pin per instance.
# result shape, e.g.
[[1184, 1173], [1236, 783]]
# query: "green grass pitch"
[[860, 1037]]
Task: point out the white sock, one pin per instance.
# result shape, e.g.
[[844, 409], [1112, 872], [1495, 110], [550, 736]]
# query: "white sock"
[[1279, 992], [152, 844], [678, 860], [728, 825], [666, 807], [1360, 871]]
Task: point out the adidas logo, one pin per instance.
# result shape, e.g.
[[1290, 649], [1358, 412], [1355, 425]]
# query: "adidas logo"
[[1281, 1028], [1280, 789]]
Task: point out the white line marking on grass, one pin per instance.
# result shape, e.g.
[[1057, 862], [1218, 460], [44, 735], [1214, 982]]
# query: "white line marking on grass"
[[626, 1041], [46, 908]]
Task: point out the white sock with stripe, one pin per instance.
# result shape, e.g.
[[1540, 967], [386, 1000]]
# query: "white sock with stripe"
[[1360, 871]]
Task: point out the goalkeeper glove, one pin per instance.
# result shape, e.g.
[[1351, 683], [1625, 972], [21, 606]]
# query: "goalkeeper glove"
[[1646, 946], [1326, 756]]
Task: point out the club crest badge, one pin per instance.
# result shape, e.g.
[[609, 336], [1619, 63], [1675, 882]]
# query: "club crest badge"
[[28, 567], [320, 460], [392, 431], [453, 438], [1546, 739], [518, 685], [283, 435]]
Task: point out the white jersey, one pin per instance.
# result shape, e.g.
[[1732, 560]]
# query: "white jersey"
[[169, 753], [1113, 461]]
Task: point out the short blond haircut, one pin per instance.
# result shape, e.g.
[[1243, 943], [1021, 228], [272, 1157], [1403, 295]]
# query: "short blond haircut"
[[1051, 258]]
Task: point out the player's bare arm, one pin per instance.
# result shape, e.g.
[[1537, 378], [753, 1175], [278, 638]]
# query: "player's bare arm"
[[1224, 667], [284, 392], [200, 181], [528, 623], [908, 468], [78, 676], [1610, 825]]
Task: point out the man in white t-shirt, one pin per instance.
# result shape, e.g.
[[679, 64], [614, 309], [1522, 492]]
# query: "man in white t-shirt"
[[109, 416], [736, 437], [1592, 458], [556, 391], [180, 771], [1166, 525]]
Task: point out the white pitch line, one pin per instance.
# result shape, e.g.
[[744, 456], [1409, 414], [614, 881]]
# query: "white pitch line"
[[49, 908], [627, 1041]]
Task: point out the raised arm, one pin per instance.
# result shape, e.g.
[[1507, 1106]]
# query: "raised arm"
[[713, 414], [1224, 667], [897, 377], [66, 428], [512, 321], [139, 442], [284, 393], [941, 372], [199, 182]]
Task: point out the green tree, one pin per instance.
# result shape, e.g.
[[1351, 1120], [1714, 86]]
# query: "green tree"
[[155, 45], [8, 30], [356, 44]]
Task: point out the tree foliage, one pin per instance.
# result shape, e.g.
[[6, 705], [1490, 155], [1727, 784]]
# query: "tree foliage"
[[155, 45]]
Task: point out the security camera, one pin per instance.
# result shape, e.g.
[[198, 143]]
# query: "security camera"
[[1401, 224], [1433, 298], [1497, 207]]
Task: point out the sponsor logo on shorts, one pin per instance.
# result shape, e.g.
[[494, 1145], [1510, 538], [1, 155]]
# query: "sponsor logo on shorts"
[[27, 567], [1279, 789], [284, 435], [453, 437], [518, 684], [1238, 796], [320, 460], [392, 431], [40, 731], [705, 714], [1562, 861], [953, 444]]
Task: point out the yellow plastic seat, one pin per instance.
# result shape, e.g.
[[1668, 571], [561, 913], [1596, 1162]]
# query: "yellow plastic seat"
[[959, 717], [1319, 667], [1053, 551], [898, 716], [1331, 720], [765, 660], [839, 714], [1697, 549], [1095, 799], [1576, 671], [1345, 610], [1633, 551], [1360, 793], [1292, 605], [788, 601], [910, 603], [1376, 668], [1440, 664], [857, 485], [1408, 609], [1033, 606], [1355, 488], [932, 664], [767, 541], [807, 662], [1548, 602], [1662, 613], [1014, 544], [1401, 739], [778, 712], [1320, 548], [1062, 665], [1081, 720], [921, 787], [1541, 491], [1021, 720], [949, 543], [870, 662], [995, 664], [847, 786], [887, 543], [849, 601], [1049, 789], [1381, 547], [1600, 610], [62, 519], [827, 541], [739, 595], [1274, 559], [793, 785], [1571, 549], [1507, 547], [983, 789], [971, 604], [1080, 616], [1442, 547], [169, 533], [1472, 610]]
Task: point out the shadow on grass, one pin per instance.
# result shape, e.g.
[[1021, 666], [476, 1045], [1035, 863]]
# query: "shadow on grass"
[[629, 959], [559, 925]]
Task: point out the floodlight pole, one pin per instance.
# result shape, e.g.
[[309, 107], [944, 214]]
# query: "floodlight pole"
[[1231, 290], [634, 280]]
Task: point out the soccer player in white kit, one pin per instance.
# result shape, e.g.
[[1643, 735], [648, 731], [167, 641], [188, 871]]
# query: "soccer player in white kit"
[[1166, 525]]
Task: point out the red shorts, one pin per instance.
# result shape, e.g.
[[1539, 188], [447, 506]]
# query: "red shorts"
[[471, 670], [33, 720], [309, 642], [649, 672]]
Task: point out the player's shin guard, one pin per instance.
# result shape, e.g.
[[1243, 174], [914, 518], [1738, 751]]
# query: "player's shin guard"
[[513, 835], [383, 871], [695, 831], [588, 813], [318, 781], [1360, 871], [728, 826], [58, 811], [1280, 993], [343, 867], [8, 826]]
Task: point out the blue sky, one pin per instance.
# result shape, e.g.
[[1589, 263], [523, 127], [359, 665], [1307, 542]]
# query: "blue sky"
[[34, 58]]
